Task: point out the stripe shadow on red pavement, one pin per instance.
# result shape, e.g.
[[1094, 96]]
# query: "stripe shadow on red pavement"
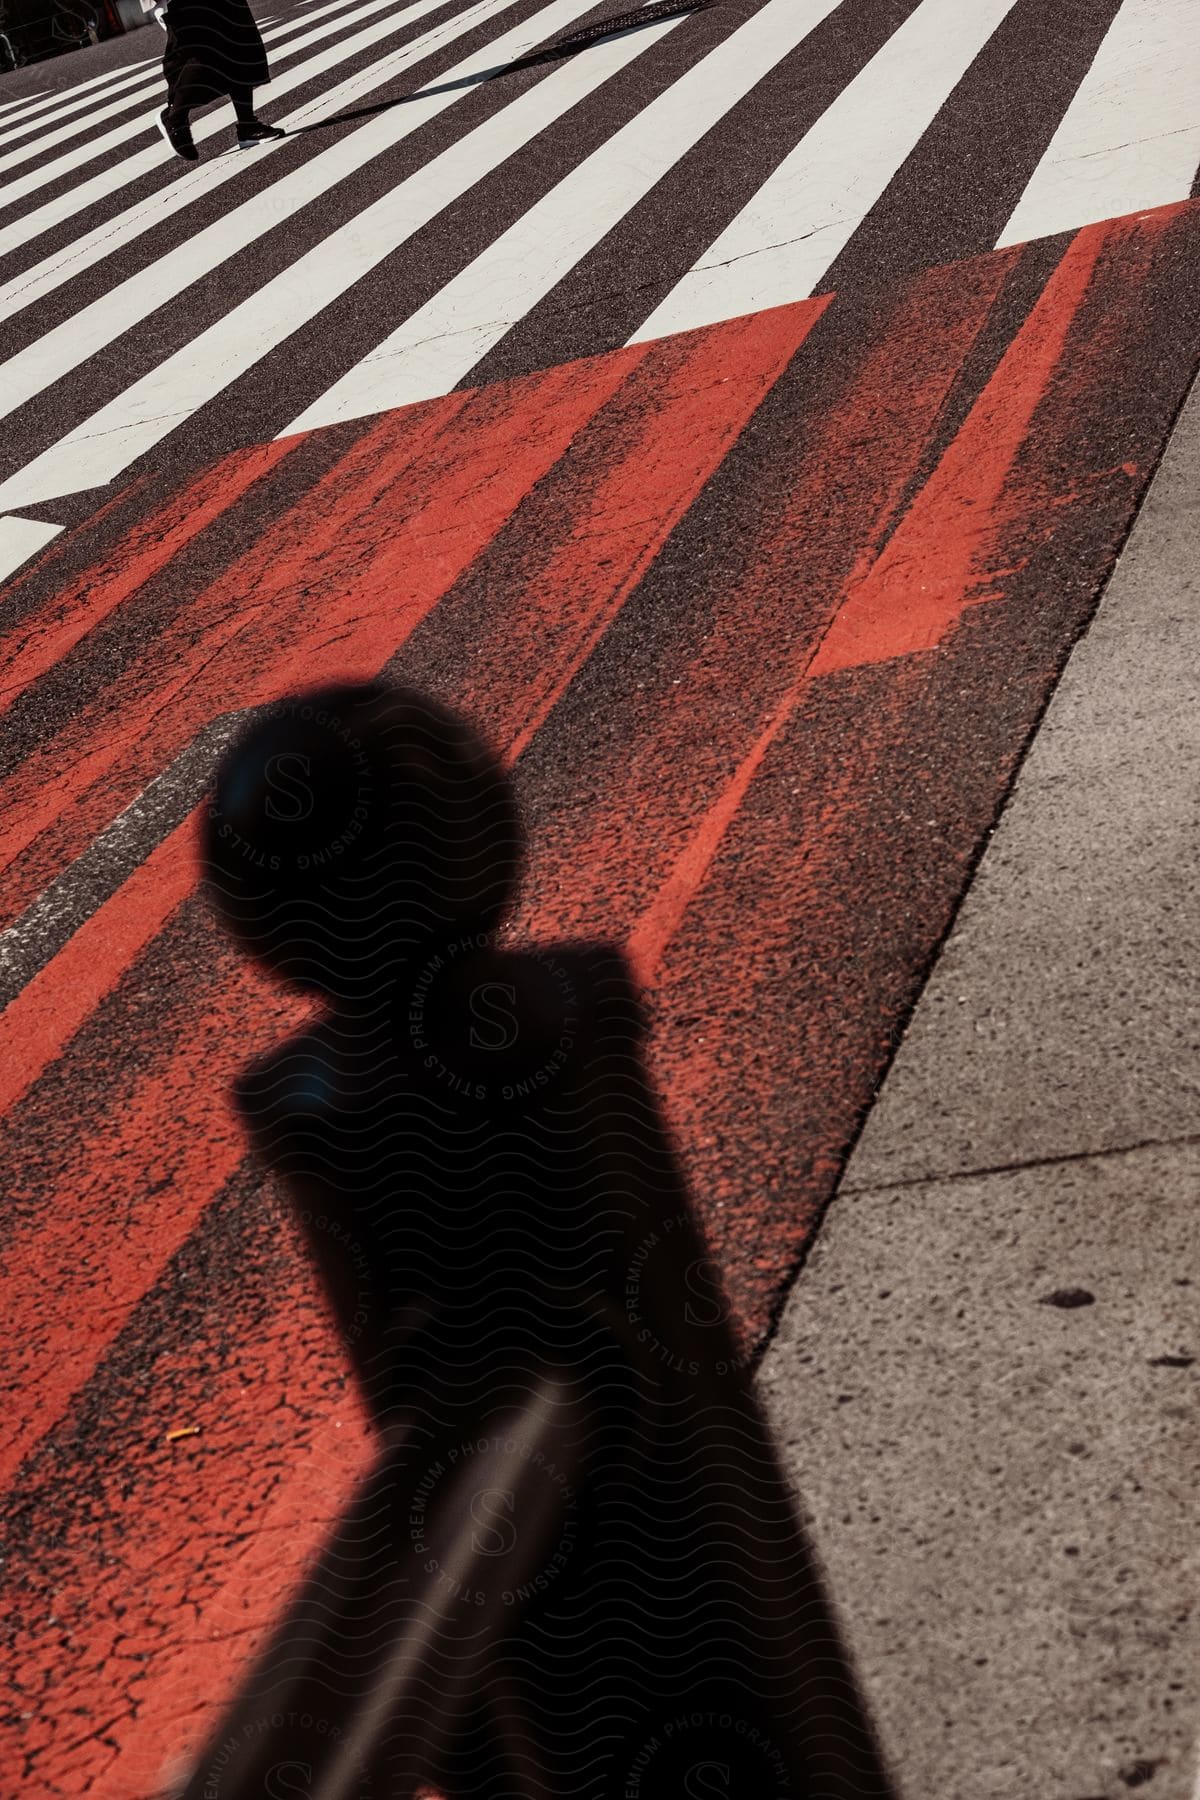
[[763, 615]]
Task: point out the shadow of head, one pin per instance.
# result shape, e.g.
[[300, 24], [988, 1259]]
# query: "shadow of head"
[[353, 829]]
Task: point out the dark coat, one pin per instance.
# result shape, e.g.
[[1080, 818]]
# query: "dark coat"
[[222, 37]]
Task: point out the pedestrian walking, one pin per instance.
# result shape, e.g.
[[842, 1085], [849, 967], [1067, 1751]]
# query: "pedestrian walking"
[[214, 48]]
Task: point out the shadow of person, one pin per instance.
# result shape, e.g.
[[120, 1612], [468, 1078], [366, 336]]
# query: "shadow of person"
[[622, 25], [576, 1568]]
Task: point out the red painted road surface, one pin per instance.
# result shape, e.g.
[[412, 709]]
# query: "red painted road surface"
[[764, 616]]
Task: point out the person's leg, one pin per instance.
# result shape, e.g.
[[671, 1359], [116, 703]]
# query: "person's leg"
[[188, 85], [243, 104], [249, 129]]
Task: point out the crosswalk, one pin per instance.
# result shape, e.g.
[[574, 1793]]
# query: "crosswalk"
[[1128, 140], [761, 600], [762, 614], [454, 209]]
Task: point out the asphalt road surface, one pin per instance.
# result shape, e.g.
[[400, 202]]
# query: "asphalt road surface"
[[739, 416]]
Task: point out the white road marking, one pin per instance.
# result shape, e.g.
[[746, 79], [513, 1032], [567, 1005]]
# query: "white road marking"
[[28, 100], [1130, 139], [41, 141], [84, 195], [98, 448], [20, 539], [132, 128], [11, 134], [440, 344], [80, 336], [325, 11], [113, 233], [50, 97], [781, 243], [328, 7]]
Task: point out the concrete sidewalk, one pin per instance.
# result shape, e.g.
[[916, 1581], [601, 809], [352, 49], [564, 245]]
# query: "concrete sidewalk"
[[986, 1375]]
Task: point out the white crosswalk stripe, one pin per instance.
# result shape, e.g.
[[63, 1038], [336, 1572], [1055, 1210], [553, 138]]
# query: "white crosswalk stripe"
[[100, 447], [20, 539], [131, 169], [405, 250], [28, 127], [8, 106], [106, 239], [40, 140], [1131, 137], [41, 102], [89, 330], [143, 81], [780, 245], [436, 348], [12, 191]]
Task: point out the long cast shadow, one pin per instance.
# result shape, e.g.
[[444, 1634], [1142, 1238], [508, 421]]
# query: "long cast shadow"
[[556, 52]]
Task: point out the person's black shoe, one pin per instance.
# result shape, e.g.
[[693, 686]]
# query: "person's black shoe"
[[178, 134], [255, 131]]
